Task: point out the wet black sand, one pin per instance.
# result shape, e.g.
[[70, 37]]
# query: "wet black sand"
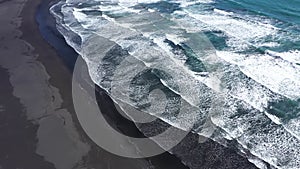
[[19, 140]]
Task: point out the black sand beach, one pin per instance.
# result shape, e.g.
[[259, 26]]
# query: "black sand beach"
[[36, 141], [38, 124]]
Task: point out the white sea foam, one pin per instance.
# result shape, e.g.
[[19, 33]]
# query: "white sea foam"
[[247, 82], [275, 119], [276, 74], [222, 12], [291, 56], [186, 3], [242, 32]]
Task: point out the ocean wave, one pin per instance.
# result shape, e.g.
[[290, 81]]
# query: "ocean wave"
[[239, 87]]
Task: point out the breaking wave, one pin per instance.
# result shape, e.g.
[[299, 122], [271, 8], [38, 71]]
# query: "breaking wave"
[[224, 66]]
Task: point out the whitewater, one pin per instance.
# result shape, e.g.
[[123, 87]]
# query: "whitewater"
[[229, 67]]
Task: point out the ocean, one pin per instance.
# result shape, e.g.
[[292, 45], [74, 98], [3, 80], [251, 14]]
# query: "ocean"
[[227, 70]]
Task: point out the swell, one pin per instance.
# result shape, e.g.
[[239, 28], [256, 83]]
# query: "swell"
[[69, 40], [194, 101]]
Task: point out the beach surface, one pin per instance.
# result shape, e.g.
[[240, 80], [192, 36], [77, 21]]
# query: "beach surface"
[[40, 129], [38, 125]]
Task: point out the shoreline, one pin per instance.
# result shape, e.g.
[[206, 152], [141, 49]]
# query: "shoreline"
[[27, 60], [165, 160], [189, 149], [182, 153], [35, 68]]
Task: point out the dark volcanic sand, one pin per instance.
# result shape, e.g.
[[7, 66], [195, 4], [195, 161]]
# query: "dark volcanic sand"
[[210, 154], [18, 143], [98, 156], [18, 138]]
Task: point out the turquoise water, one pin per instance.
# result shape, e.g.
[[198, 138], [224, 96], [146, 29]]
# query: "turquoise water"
[[283, 14], [233, 63], [282, 10]]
